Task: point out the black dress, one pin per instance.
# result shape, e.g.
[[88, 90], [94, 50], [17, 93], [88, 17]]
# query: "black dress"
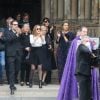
[[36, 54], [46, 55], [62, 51], [25, 66]]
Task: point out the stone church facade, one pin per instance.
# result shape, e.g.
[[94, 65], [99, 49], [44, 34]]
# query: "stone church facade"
[[78, 12]]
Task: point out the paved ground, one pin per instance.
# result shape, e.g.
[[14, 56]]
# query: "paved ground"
[[25, 93]]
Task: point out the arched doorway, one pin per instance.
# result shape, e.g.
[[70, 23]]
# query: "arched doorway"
[[11, 7]]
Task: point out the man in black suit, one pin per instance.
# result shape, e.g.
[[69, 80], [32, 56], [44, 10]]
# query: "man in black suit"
[[13, 52], [6, 31], [83, 68]]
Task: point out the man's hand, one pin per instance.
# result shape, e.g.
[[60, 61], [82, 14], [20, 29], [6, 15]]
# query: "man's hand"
[[58, 34], [94, 56], [27, 48]]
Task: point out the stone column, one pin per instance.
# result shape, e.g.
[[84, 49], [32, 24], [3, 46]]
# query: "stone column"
[[81, 9], [47, 8], [42, 9], [60, 9], [95, 9], [87, 9], [55, 9], [51, 8], [99, 9], [67, 11], [74, 9]]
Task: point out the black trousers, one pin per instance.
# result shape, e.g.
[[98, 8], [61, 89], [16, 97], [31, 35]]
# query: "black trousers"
[[7, 69], [14, 63], [18, 61], [11, 64], [48, 77], [84, 83], [25, 71]]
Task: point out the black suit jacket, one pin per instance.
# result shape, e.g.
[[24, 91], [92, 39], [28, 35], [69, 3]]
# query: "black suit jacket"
[[12, 42], [83, 60]]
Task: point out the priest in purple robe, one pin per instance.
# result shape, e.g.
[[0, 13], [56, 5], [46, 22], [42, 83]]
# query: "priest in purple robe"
[[69, 87]]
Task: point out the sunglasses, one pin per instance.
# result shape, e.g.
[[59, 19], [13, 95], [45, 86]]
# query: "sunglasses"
[[15, 24], [38, 28], [45, 21]]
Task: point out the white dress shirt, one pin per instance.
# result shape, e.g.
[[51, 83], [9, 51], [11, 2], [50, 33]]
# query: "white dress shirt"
[[37, 41]]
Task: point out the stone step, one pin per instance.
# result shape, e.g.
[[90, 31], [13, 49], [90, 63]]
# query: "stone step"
[[28, 98], [54, 77], [48, 92]]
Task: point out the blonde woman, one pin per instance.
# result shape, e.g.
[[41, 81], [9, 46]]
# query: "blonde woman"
[[36, 54]]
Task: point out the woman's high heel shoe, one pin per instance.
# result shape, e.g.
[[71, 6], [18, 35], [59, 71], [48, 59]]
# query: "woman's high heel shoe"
[[22, 83], [31, 79], [40, 84]]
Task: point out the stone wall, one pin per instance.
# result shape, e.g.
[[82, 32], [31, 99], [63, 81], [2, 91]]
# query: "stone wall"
[[78, 12]]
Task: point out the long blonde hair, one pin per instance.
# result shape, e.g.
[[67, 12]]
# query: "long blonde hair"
[[34, 29]]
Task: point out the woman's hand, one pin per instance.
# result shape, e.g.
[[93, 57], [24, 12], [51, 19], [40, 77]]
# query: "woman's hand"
[[27, 48]]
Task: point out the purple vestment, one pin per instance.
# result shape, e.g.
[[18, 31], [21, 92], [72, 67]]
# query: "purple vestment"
[[69, 88]]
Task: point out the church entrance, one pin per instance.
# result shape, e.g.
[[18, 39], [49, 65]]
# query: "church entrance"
[[12, 7]]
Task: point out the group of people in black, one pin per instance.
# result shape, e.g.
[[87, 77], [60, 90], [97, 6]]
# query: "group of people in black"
[[27, 50]]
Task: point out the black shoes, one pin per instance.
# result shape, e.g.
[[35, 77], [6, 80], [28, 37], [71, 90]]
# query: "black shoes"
[[27, 83], [30, 85], [12, 89], [40, 84], [22, 83]]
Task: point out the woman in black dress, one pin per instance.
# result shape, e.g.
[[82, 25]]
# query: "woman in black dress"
[[50, 33], [45, 48], [25, 66], [64, 39], [36, 54]]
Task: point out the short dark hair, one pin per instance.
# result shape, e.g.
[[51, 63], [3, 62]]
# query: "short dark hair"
[[45, 18], [65, 22]]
